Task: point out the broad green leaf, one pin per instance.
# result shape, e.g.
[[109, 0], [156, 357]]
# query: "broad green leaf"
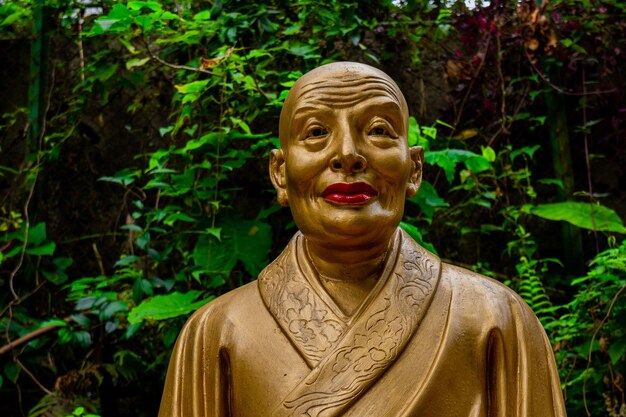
[[584, 215], [111, 326], [441, 159], [142, 286], [301, 49], [552, 181], [12, 371], [188, 37], [112, 308], [56, 277], [37, 234], [163, 307], [447, 159], [85, 303], [144, 22], [208, 139], [215, 231], [477, 164], [62, 263], [292, 29], [430, 132], [165, 130], [65, 335], [192, 87], [428, 200], [417, 236], [52, 322], [120, 11], [12, 18], [137, 5], [488, 153], [132, 329], [81, 319], [133, 227], [528, 150], [242, 124], [83, 338], [617, 350], [104, 72], [248, 241], [136, 62], [104, 24], [128, 45], [214, 257], [45, 249], [203, 15], [253, 243], [125, 260], [415, 135], [174, 217], [124, 177]]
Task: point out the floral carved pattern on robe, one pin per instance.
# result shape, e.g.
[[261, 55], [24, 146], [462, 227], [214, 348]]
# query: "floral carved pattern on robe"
[[347, 358]]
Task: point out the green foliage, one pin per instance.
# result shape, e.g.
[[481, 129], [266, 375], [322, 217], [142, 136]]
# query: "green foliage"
[[417, 236], [590, 337], [585, 215], [54, 406], [159, 119], [532, 289], [15, 17], [163, 307], [80, 412]]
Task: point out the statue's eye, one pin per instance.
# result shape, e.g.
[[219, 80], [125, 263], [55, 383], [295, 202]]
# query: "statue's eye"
[[379, 131], [317, 132]]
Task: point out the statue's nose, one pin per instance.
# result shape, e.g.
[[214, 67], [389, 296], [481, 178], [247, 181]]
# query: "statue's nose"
[[348, 158]]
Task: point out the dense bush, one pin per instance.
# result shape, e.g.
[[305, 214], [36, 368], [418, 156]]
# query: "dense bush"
[[133, 169]]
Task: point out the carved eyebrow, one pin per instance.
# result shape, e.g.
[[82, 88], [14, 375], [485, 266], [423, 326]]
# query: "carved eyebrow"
[[299, 116], [385, 108], [304, 109], [383, 105]]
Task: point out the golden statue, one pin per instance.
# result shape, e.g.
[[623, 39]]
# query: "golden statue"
[[354, 318]]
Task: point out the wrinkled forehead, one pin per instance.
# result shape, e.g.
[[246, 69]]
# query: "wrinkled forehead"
[[346, 91], [336, 86]]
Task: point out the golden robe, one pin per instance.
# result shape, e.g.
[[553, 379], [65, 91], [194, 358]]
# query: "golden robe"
[[430, 340]]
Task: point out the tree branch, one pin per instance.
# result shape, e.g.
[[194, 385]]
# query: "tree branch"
[[30, 336], [545, 79], [174, 66]]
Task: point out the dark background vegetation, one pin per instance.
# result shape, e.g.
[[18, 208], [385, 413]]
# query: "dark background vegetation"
[[133, 173]]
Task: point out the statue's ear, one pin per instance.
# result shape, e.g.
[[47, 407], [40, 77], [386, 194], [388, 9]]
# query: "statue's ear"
[[417, 162], [277, 175]]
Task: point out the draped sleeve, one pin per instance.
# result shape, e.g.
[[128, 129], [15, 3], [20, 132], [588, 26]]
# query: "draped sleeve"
[[197, 382], [522, 377]]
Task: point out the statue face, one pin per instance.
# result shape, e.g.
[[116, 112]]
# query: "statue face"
[[344, 166]]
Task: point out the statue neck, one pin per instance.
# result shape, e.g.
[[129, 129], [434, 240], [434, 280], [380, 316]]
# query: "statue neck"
[[348, 266], [348, 275]]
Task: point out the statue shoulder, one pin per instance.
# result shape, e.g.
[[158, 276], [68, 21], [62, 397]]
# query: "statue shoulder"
[[481, 293], [227, 308], [464, 279]]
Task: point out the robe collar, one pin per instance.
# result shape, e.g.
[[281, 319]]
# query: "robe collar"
[[346, 354]]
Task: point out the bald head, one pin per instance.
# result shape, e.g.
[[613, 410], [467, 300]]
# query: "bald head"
[[338, 85]]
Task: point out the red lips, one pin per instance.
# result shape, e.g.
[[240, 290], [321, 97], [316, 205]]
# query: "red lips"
[[353, 193]]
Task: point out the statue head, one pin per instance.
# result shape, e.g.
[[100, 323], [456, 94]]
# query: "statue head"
[[344, 166]]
